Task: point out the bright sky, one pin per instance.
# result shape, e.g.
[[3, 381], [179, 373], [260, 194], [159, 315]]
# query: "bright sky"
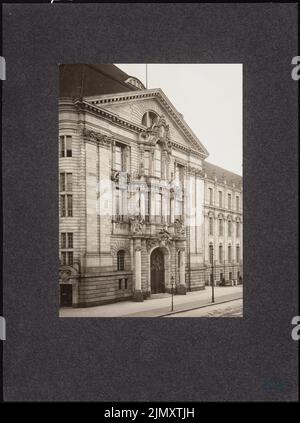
[[210, 98]]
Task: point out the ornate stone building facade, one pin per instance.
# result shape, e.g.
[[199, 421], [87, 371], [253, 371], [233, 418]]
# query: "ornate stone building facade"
[[223, 232], [135, 205]]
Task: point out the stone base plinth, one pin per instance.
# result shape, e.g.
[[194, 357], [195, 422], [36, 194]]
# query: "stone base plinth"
[[181, 290], [138, 296]]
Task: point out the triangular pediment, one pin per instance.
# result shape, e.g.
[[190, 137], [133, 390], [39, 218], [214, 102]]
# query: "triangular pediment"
[[138, 103]]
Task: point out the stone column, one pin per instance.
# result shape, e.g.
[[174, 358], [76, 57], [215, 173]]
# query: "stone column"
[[164, 164], [172, 205], [138, 295], [127, 159], [182, 287]]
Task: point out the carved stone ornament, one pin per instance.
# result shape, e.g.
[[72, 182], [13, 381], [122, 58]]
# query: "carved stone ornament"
[[137, 224], [120, 177], [151, 242], [158, 131], [102, 139], [161, 127], [65, 275], [164, 237], [179, 227], [119, 245]]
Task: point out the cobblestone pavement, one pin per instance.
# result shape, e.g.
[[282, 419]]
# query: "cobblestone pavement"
[[231, 309]]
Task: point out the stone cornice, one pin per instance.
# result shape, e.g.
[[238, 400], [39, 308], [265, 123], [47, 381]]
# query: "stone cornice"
[[220, 183], [84, 105]]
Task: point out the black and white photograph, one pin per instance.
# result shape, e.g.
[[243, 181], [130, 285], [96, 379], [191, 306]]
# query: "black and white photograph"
[[150, 205], [150, 190]]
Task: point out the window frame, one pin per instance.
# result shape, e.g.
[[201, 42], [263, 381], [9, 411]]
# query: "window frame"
[[65, 146], [157, 172], [67, 248], [121, 261], [211, 225]]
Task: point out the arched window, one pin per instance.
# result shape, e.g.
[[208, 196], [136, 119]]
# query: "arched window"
[[121, 260], [157, 161], [149, 118]]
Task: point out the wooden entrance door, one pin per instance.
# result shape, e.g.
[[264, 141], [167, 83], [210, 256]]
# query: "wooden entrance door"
[[66, 295], [157, 272]]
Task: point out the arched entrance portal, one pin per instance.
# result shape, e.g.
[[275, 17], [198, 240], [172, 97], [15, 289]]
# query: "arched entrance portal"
[[157, 271]]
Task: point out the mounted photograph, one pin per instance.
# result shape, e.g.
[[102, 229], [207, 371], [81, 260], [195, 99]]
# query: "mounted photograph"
[[150, 190]]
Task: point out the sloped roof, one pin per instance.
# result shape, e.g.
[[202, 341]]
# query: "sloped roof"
[[81, 80], [220, 173]]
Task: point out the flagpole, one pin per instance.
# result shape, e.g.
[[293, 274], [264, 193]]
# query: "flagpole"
[[146, 76]]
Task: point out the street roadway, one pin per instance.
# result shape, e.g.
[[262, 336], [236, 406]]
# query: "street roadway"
[[232, 308]]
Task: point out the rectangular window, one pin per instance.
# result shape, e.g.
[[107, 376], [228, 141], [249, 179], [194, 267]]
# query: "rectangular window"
[[70, 205], [147, 205], [237, 229], [70, 240], [210, 196], [119, 210], [62, 182], [121, 260], [211, 254], [65, 145], [67, 247], [220, 227], [157, 161], [66, 182], [62, 146], [69, 182], [118, 157], [220, 199], [69, 146], [237, 199], [229, 201], [66, 202], [179, 175], [229, 253], [158, 207], [220, 254], [147, 162], [120, 284], [63, 240], [126, 283], [211, 226], [63, 206], [178, 207], [229, 228], [70, 258], [237, 254]]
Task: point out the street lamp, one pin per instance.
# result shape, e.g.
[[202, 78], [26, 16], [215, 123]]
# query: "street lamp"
[[172, 292], [212, 275]]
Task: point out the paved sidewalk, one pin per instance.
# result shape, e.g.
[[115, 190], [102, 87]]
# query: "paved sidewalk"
[[233, 308], [156, 307]]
